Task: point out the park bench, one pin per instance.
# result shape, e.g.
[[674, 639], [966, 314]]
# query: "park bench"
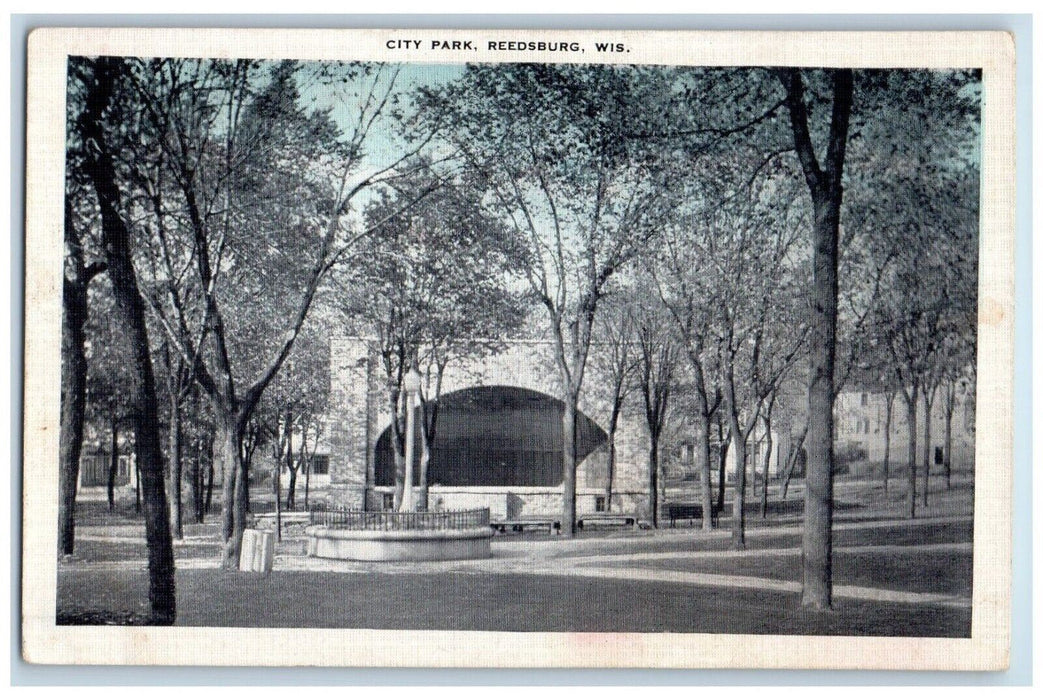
[[552, 525], [689, 512], [618, 519]]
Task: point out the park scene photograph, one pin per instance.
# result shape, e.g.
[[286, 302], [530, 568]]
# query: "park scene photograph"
[[519, 347]]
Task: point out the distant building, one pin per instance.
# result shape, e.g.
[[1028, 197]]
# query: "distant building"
[[94, 473], [860, 417]]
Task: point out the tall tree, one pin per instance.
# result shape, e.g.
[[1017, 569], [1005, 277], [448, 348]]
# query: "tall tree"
[[434, 288], [760, 330], [77, 277], [250, 158], [825, 182], [686, 284], [101, 81], [552, 146], [911, 225], [657, 366], [615, 360]]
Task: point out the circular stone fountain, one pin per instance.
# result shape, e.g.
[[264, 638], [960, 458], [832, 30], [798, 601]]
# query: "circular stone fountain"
[[401, 536]]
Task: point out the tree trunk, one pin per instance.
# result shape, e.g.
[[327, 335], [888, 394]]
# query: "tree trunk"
[[887, 439], [928, 403], [113, 456], [755, 475], [826, 188], [910, 404], [425, 459], [722, 460], [277, 492], [74, 388], [307, 480], [653, 480], [196, 475], [291, 489], [131, 311], [242, 494], [209, 486], [397, 401], [613, 427], [568, 460], [950, 404], [291, 470], [796, 449], [233, 513], [137, 486], [175, 469], [204, 466], [702, 452], [242, 490], [738, 502], [767, 464], [400, 478]]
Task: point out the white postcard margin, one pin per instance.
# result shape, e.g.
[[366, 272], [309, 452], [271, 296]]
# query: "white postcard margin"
[[988, 647]]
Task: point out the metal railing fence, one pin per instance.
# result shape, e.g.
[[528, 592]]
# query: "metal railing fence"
[[346, 519]]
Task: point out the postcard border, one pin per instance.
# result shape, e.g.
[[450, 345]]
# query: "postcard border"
[[989, 644]]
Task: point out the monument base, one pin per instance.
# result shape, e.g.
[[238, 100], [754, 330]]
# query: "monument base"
[[399, 545]]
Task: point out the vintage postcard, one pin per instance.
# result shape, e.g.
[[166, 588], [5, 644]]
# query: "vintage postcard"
[[519, 348]]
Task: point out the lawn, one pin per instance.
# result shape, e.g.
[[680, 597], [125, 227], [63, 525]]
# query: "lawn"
[[517, 602], [920, 572]]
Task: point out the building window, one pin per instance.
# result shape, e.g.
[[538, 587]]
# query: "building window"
[[388, 502], [319, 464], [939, 455], [599, 504], [865, 399]]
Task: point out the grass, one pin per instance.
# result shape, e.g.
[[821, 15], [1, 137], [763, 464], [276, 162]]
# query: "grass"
[[516, 603], [919, 572]]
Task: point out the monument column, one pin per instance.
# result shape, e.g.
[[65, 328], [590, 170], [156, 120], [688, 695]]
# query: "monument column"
[[410, 388]]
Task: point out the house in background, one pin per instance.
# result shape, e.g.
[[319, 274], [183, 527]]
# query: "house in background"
[[95, 464], [860, 421]]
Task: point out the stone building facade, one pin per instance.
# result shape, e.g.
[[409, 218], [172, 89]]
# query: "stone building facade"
[[861, 428]]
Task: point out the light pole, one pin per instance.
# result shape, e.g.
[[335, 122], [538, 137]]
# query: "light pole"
[[410, 387]]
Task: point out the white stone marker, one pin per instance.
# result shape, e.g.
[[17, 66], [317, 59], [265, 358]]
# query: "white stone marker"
[[257, 552]]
